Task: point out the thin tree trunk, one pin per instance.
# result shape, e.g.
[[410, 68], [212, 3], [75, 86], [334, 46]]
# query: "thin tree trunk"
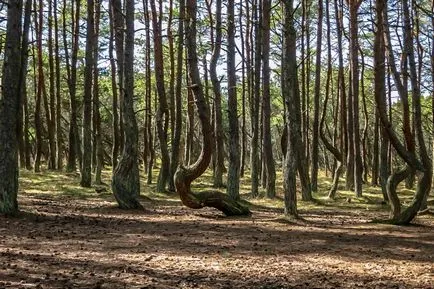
[[219, 168], [266, 106], [115, 91], [233, 186], [96, 113], [23, 117], [51, 122], [162, 117], [74, 137], [59, 137], [255, 166], [316, 108]]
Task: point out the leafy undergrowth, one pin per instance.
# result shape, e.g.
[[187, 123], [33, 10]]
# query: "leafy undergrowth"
[[70, 237]]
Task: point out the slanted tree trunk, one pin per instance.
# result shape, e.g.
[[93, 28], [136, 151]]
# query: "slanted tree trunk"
[[184, 176], [125, 181], [9, 104]]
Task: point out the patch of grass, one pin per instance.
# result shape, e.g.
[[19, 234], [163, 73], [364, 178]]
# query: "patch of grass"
[[60, 184]]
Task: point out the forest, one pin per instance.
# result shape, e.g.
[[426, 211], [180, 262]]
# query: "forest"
[[216, 144]]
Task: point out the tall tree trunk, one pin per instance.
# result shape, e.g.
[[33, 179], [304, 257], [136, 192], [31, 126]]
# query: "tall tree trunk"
[[233, 187], [126, 179], [119, 28], [219, 168], [23, 117], [115, 92], [9, 112], [74, 137], [41, 92], [337, 154], [86, 168], [244, 93], [289, 90], [316, 106], [184, 176], [59, 137], [256, 85], [51, 122], [162, 117], [266, 106], [96, 113], [174, 161]]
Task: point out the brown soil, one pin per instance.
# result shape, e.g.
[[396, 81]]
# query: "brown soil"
[[70, 242]]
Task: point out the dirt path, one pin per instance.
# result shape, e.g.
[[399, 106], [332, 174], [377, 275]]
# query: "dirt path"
[[65, 242]]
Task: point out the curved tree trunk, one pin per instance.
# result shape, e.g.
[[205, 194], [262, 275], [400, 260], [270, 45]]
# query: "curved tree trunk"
[[421, 163], [184, 176], [126, 182]]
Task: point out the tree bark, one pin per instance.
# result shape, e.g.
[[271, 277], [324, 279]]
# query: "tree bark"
[[9, 104], [126, 181], [162, 117], [219, 168], [86, 168], [316, 108], [174, 161], [73, 138], [233, 186], [184, 176], [289, 83], [266, 106]]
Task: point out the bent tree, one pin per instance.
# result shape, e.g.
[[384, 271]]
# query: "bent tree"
[[125, 181], [184, 176], [421, 161], [9, 104]]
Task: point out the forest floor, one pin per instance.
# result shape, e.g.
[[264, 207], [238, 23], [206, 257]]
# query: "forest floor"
[[70, 237]]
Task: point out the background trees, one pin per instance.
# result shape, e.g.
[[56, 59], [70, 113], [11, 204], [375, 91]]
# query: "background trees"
[[343, 118]]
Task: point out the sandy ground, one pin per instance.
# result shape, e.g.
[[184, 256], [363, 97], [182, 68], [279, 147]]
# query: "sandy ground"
[[70, 242]]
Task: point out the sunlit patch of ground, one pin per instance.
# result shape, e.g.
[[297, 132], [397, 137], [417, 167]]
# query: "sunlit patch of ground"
[[70, 237]]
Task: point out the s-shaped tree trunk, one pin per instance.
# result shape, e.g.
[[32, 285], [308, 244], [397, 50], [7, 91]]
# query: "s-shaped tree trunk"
[[184, 176]]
